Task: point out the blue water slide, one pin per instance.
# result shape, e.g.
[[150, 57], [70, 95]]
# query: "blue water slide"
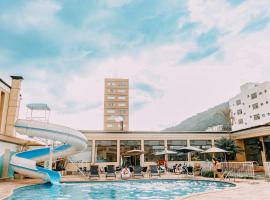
[[24, 163]]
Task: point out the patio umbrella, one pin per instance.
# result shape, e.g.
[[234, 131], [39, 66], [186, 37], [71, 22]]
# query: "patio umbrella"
[[165, 152], [214, 150], [134, 152], [188, 149]]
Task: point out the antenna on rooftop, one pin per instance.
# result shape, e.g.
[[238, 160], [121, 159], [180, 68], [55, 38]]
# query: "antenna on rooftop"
[[38, 112]]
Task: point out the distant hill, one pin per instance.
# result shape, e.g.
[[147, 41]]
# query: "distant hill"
[[201, 121]]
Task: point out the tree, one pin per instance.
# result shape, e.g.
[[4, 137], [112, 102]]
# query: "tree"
[[225, 113], [229, 145]]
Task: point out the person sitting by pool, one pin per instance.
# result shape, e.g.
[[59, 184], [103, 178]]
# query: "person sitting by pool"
[[125, 174]]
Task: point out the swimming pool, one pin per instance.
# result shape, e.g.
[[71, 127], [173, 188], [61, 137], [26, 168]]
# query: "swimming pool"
[[133, 189]]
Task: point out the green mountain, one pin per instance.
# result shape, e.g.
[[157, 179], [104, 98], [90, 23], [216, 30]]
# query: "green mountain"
[[217, 115]]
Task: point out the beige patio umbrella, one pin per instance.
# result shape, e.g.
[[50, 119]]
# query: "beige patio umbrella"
[[134, 152], [214, 150]]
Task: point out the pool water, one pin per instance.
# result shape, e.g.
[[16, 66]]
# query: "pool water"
[[133, 189]]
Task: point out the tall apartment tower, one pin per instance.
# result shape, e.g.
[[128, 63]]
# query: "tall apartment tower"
[[251, 107], [116, 104]]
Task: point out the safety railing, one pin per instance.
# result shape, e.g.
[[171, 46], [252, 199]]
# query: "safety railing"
[[238, 170], [266, 166]]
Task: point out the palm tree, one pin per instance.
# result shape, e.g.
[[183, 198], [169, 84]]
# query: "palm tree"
[[229, 145]]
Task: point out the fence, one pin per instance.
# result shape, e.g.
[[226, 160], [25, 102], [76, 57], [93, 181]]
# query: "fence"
[[233, 169], [266, 166], [238, 169]]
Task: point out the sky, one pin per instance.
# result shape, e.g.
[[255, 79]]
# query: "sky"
[[181, 57]]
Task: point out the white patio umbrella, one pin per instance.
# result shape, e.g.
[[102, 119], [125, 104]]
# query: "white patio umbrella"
[[134, 152], [165, 152], [214, 150]]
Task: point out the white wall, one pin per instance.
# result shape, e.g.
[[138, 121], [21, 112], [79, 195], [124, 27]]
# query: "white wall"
[[246, 105]]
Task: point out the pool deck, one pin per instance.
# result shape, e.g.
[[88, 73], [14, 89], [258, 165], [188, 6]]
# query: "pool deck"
[[245, 189]]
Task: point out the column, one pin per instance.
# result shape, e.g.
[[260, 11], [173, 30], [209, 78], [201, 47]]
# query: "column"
[[264, 150], [241, 157], [93, 159], [189, 155], [118, 152], [142, 155], [166, 148], [5, 163], [13, 105]]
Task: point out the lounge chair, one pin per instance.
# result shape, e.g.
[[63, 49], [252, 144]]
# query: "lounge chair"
[[153, 171], [137, 171], [110, 171], [94, 171]]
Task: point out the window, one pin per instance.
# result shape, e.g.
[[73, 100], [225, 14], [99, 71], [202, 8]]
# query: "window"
[[254, 95], [265, 91], [127, 145], [122, 97], [122, 104], [255, 106], [106, 150], [110, 111], [110, 97], [152, 146], [256, 117], [247, 96], [240, 121], [249, 106], [121, 91], [174, 145], [122, 111], [109, 125], [263, 115], [261, 104], [239, 112], [266, 102], [238, 102], [260, 93]]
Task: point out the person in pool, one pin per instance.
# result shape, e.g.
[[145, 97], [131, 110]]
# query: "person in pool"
[[125, 173]]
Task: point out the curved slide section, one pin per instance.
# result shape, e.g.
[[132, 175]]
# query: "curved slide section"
[[25, 162]]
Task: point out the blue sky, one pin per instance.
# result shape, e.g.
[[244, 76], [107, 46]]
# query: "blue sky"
[[178, 54]]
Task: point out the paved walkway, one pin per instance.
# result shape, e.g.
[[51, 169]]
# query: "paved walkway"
[[246, 190]]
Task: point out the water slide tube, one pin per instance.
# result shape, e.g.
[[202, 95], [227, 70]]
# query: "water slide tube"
[[25, 162]]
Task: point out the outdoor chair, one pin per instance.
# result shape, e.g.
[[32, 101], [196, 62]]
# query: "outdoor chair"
[[94, 171], [153, 171], [137, 171], [110, 171]]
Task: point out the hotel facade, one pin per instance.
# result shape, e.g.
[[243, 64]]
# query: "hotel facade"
[[109, 146]]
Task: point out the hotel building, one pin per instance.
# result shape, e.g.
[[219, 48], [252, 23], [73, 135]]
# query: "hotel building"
[[109, 146], [251, 107], [116, 104]]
